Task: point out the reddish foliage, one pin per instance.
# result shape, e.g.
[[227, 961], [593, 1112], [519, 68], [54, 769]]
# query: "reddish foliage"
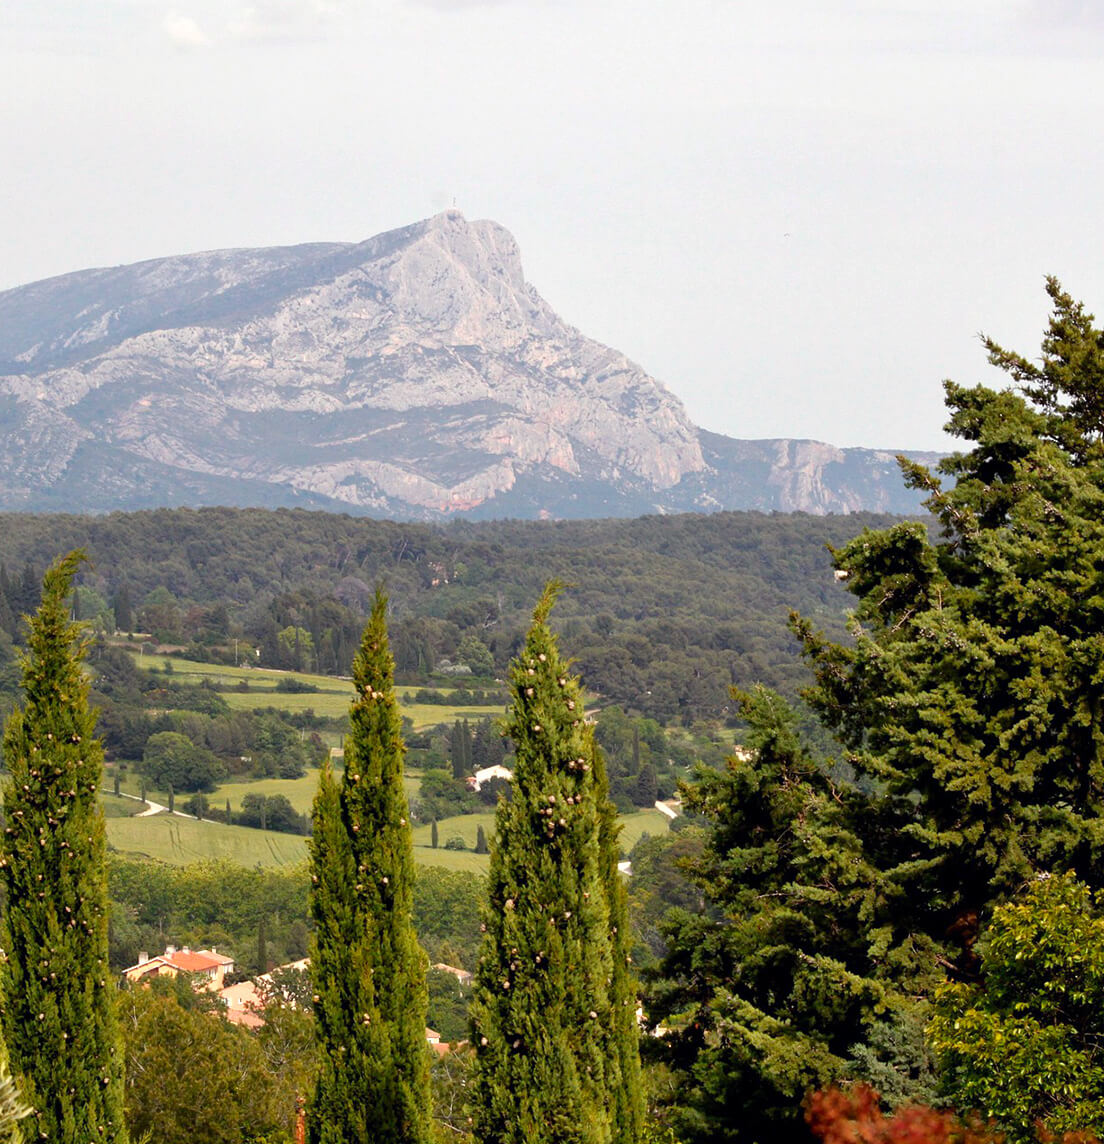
[[854, 1116]]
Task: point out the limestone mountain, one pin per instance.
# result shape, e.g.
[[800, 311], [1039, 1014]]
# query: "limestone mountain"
[[413, 375]]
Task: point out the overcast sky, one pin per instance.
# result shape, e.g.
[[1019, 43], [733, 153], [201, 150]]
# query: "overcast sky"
[[797, 215]]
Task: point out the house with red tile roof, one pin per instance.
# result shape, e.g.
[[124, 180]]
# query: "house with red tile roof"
[[206, 967]]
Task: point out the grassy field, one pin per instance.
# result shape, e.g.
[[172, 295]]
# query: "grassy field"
[[119, 807], [299, 792], [642, 822], [332, 698], [466, 826], [462, 826], [180, 840]]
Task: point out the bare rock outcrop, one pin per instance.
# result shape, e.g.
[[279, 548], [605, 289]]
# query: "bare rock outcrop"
[[414, 374]]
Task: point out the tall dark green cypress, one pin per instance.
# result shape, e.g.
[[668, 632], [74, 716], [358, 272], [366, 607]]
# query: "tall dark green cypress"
[[553, 1012], [368, 970], [56, 989]]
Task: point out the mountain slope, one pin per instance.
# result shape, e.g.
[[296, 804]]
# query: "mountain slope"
[[413, 375]]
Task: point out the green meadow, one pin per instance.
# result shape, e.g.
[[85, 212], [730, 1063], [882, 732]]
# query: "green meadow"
[[181, 840], [331, 699]]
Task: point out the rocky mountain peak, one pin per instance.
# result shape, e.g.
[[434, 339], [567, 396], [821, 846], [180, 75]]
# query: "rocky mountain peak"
[[415, 373]]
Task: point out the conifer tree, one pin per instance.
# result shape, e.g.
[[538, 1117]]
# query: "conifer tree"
[[553, 1012], [57, 995], [971, 692], [368, 970]]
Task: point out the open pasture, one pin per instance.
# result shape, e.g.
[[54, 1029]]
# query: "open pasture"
[[332, 699]]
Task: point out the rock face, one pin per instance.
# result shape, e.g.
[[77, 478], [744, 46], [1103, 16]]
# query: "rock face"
[[413, 375]]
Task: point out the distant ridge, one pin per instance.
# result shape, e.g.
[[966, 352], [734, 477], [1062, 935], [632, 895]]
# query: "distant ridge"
[[415, 375]]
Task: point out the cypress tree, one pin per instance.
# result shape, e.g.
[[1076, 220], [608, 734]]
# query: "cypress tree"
[[553, 1011], [124, 614], [456, 751], [368, 970], [434, 834], [57, 995], [480, 841]]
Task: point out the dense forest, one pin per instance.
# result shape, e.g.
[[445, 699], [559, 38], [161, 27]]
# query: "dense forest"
[[663, 613]]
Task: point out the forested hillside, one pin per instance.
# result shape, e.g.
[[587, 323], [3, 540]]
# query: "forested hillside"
[[663, 613]]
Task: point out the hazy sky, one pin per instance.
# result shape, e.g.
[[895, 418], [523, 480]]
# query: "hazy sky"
[[798, 215]]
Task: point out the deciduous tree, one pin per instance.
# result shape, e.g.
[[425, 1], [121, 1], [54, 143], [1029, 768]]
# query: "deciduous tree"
[[1022, 1043]]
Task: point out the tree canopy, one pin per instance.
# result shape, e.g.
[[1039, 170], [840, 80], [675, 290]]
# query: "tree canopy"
[[971, 693]]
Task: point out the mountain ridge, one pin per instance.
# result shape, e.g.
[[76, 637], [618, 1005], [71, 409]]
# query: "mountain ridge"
[[416, 374]]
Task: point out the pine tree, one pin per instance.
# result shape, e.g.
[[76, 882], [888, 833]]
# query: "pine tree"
[[56, 989], [971, 693], [553, 1012], [369, 972]]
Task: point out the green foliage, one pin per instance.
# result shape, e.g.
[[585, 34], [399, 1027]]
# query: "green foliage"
[[441, 796], [295, 649], [970, 705], [446, 912], [270, 812], [1023, 1044], [660, 883], [12, 1108], [668, 612], [447, 1011], [451, 1079], [368, 971], [552, 1013], [57, 997], [475, 653], [172, 759], [768, 989], [193, 1076]]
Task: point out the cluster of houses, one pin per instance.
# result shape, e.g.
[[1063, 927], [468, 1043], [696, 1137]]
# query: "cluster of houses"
[[244, 1001]]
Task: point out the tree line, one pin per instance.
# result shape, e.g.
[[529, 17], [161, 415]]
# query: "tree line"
[[665, 615]]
